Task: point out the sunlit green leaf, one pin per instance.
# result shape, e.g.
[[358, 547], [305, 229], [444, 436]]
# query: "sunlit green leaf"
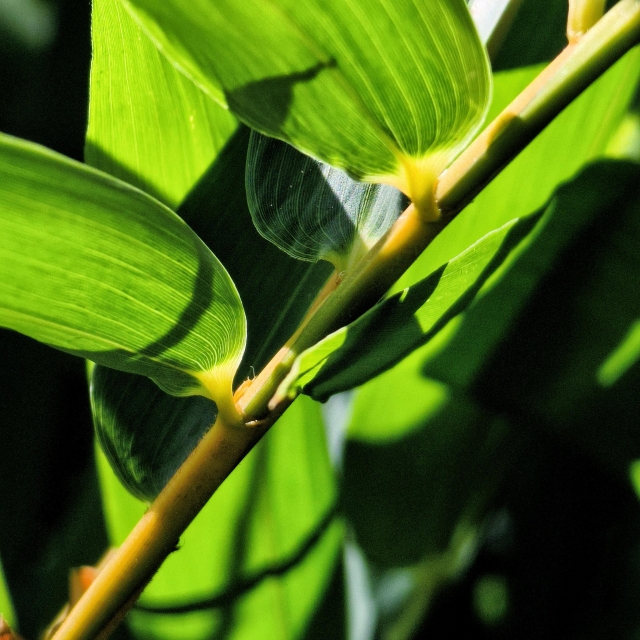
[[398, 325], [6, 608], [101, 270], [153, 127], [390, 91], [248, 554], [148, 124], [311, 210], [396, 402]]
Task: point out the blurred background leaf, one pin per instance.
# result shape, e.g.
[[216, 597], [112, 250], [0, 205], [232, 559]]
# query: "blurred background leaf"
[[6, 606]]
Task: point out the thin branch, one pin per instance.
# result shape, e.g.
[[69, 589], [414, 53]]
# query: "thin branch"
[[157, 533], [583, 14]]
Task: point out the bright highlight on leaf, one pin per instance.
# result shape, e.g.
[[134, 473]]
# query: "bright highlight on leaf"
[[388, 90], [148, 124], [311, 210], [97, 268]]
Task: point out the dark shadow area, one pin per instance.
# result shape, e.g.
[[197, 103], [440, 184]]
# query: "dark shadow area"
[[405, 497], [45, 85], [538, 34], [329, 619], [50, 506], [276, 92], [535, 343], [564, 538]]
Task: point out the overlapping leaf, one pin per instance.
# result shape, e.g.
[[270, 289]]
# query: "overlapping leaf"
[[247, 555], [151, 126], [311, 210], [570, 141], [101, 270], [566, 307], [145, 433], [390, 91], [148, 124]]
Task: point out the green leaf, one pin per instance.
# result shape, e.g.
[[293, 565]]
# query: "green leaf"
[[311, 210], [586, 203], [575, 137], [580, 134], [396, 402], [398, 325], [247, 556], [145, 434], [99, 269], [152, 126], [6, 608], [389, 92], [148, 124]]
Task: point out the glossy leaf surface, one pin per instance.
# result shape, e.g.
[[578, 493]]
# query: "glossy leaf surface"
[[390, 91], [248, 554], [148, 124], [101, 270], [311, 210]]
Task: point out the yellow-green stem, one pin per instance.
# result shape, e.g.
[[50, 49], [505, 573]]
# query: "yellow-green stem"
[[157, 533], [583, 14], [384, 264], [562, 81]]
